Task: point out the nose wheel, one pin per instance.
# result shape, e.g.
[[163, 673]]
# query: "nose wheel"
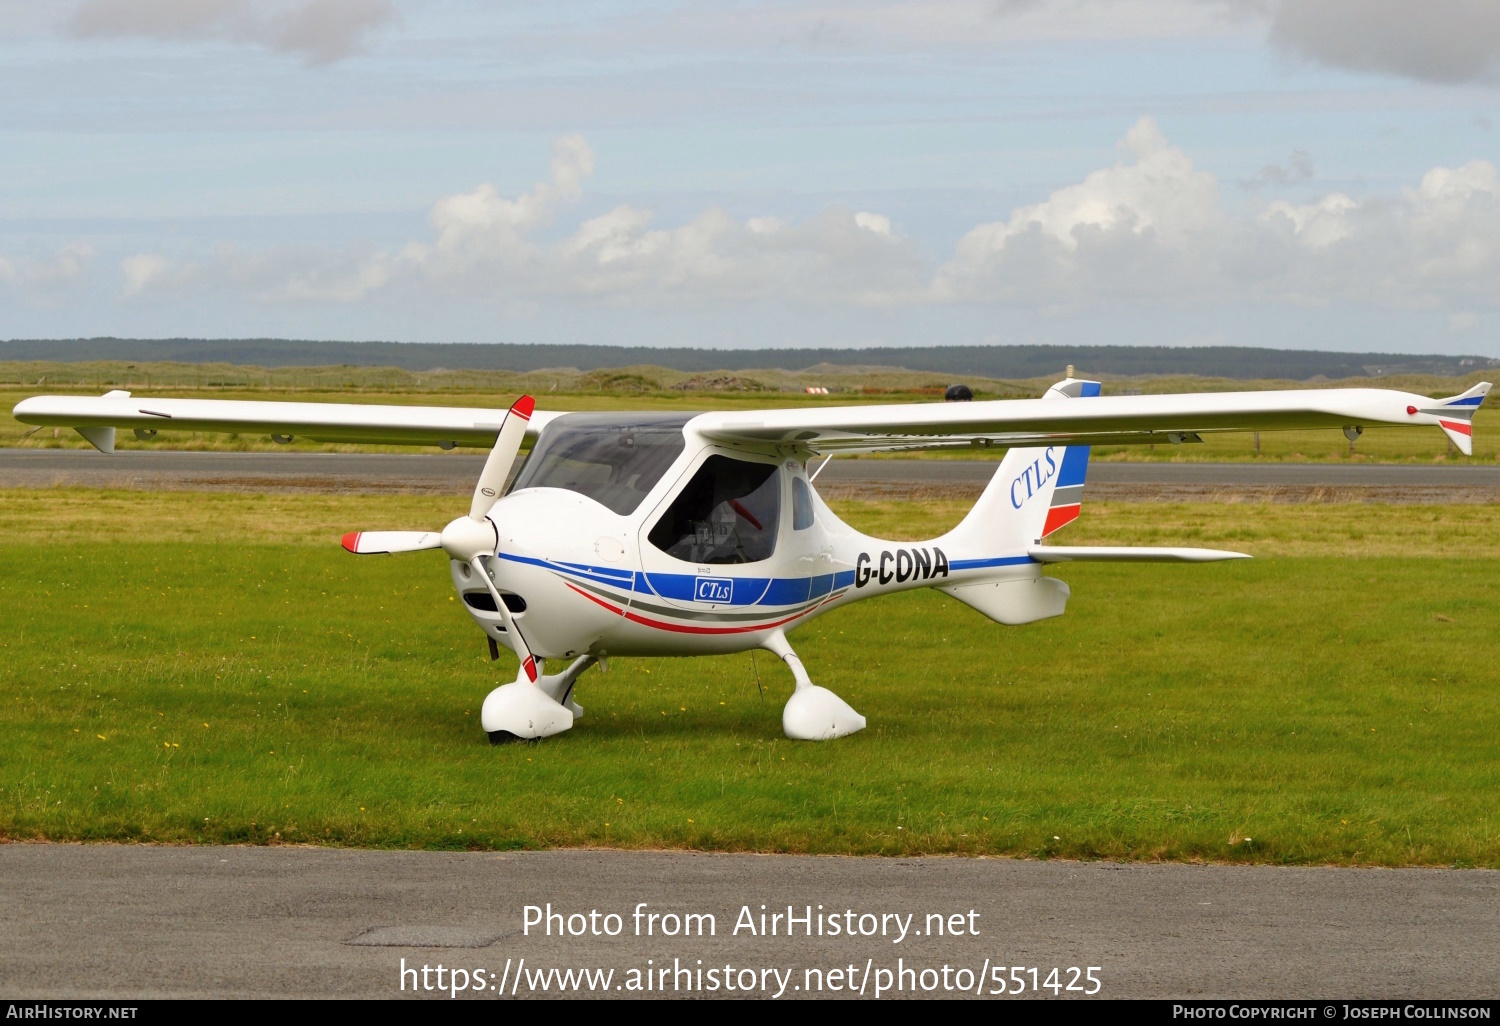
[[527, 711]]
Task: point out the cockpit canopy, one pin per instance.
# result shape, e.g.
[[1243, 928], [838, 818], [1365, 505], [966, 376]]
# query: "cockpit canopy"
[[727, 513], [614, 459]]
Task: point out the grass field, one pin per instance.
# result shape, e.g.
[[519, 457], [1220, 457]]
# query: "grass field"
[[210, 667]]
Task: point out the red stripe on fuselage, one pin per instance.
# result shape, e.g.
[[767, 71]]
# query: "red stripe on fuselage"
[[1059, 516], [661, 625]]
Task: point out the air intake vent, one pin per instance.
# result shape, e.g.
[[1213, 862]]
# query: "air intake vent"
[[485, 603]]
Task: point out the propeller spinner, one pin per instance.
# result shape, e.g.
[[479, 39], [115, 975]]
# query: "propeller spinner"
[[469, 539]]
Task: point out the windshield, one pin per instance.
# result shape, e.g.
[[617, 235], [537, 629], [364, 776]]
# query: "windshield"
[[614, 459]]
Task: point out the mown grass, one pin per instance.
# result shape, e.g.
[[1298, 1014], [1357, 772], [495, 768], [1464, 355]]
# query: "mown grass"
[[255, 684]]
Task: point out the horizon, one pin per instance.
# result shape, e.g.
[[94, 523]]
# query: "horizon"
[[958, 362]]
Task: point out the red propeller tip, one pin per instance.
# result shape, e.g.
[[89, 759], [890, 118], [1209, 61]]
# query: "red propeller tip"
[[351, 541], [524, 407]]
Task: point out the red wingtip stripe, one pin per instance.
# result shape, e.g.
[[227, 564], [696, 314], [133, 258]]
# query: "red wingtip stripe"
[[1459, 426], [524, 407], [1059, 516], [351, 541]]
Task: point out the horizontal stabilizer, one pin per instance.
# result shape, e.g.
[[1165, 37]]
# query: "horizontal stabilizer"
[[1456, 415], [1104, 554]]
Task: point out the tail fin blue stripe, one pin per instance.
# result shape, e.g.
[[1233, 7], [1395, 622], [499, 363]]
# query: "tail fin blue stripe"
[[1075, 466]]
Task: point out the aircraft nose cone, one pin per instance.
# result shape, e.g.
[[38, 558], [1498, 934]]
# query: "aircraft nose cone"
[[466, 538]]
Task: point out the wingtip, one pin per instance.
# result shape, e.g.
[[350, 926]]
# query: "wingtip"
[[350, 541]]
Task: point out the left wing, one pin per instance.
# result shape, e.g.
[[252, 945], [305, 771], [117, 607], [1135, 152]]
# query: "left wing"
[[97, 417], [1103, 420]]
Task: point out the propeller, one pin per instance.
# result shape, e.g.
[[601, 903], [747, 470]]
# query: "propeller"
[[502, 456], [474, 537]]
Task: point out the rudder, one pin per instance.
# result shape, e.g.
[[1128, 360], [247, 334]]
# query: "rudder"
[[1035, 491]]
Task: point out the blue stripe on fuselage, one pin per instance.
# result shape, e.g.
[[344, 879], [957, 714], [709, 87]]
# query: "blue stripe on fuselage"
[[980, 564], [746, 591]]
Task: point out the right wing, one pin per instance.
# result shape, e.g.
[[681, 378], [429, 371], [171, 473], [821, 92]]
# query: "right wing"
[[1107, 420]]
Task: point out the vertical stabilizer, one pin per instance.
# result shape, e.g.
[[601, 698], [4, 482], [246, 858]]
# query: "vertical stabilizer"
[[1034, 491]]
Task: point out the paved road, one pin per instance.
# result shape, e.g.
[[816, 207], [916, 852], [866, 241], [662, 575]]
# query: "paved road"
[[139, 921], [455, 474]]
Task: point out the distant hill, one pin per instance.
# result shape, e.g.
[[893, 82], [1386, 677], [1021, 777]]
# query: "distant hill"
[[956, 362]]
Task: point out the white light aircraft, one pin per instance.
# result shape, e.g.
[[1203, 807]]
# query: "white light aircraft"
[[656, 534]]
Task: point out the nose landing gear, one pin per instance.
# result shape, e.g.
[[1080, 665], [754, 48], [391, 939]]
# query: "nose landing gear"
[[523, 711]]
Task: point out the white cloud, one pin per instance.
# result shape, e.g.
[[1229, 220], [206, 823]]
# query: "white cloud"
[[1159, 192], [41, 274], [834, 257], [141, 271], [1148, 231], [1316, 224], [1141, 213], [320, 31], [478, 234], [1152, 231]]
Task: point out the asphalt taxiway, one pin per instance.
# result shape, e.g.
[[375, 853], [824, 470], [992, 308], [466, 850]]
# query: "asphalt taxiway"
[[150, 921], [454, 473]]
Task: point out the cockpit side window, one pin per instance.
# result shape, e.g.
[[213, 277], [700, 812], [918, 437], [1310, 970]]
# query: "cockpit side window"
[[727, 513], [613, 460], [802, 504]]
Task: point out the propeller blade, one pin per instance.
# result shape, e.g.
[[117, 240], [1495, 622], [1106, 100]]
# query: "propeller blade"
[[507, 444], [363, 543], [523, 651]]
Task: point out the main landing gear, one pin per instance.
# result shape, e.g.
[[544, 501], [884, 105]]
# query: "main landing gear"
[[813, 713], [523, 711]]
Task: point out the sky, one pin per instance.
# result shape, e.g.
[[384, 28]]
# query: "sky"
[[1289, 173]]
